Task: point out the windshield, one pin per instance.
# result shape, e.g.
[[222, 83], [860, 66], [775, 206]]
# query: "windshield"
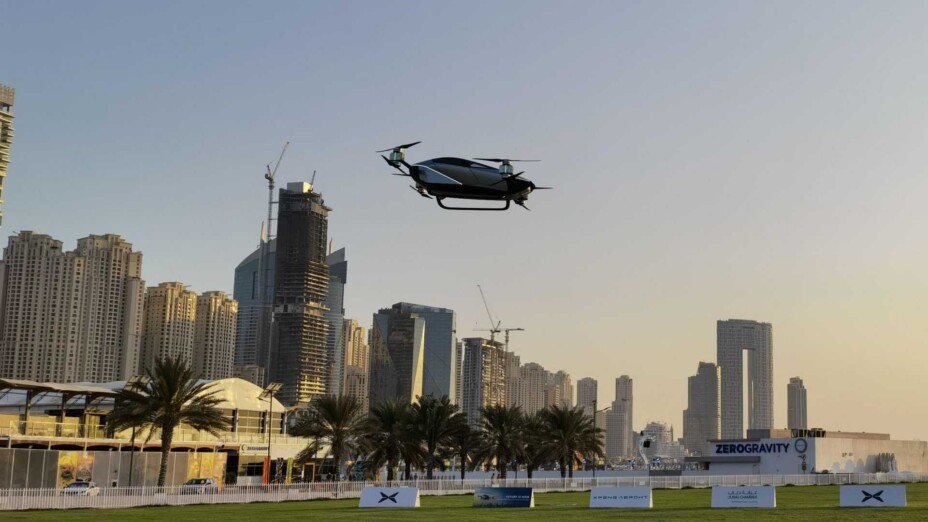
[[197, 481], [78, 485]]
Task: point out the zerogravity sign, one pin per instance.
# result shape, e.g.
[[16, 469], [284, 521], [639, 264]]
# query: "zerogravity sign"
[[373, 497], [873, 495], [627, 497], [744, 497], [504, 497]]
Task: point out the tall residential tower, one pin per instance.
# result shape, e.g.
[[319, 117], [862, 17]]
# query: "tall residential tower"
[[796, 405], [733, 337], [703, 415]]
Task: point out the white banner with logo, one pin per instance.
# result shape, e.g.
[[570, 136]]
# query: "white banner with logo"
[[628, 497], [744, 497], [373, 497], [873, 495]]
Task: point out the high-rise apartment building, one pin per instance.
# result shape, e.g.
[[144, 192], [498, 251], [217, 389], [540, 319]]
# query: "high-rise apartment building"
[[620, 421], [702, 419], [214, 336], [440, 372], [733, 337], [169, 325], [335, 317], [586, 395], [397, 356], [252, 331], [250, 372], [459, 373], [796, 405], [559, 390], [484, 377], [7, 96], [298, 358], [527, 390], [356, 362], [70, 316]]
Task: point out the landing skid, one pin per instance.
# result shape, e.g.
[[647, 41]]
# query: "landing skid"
[[440, 204]]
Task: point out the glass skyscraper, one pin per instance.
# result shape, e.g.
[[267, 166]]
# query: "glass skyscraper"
[[440, 371]]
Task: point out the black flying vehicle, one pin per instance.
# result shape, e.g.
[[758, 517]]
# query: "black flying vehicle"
[[458, 178]]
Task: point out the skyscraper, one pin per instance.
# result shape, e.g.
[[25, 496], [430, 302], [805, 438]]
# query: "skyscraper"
[[356, 362], [70, 316], [620, 421], [586, 395], [335, 316], [733, 337], [397, 356], [298, 358], [170, 324], [251, 332], [214, 335], [7, 96], [484, 377], [796, 405], [702, 419], [529, 387], [440, 340], [559, 390]]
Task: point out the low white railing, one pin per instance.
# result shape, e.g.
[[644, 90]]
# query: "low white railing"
[[108, 498]]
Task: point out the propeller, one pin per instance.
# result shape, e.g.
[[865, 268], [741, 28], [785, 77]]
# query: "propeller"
[[501, 160], [401, 147], [508, 177]]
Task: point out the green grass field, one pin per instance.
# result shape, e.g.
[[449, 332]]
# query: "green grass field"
[[818, 503]]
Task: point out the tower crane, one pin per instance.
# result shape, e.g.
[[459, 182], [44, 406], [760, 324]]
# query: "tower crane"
[[494, 329]]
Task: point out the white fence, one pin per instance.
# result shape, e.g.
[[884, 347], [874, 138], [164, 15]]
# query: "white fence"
[[19, 499]]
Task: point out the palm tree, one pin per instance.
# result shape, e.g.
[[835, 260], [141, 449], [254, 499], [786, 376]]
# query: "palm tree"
[[533, 451], [337, 421], [466, 444], [434, 422], [388, 434], [501, 431], [569, 432], [172, 396]]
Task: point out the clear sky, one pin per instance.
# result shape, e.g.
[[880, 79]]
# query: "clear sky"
[[712, 160]]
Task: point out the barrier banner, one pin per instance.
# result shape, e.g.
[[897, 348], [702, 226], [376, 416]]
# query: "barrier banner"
[[374, 497], [873, 495], [623, 497], [744, 497], [504, 497]]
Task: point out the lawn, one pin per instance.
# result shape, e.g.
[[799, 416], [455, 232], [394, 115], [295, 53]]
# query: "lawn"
[[818, 503]]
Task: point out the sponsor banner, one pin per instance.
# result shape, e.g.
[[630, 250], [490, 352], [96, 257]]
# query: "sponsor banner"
[[744, 497], [373, 497], [873, 495], [504, 497], [627, 497], [252, 449]]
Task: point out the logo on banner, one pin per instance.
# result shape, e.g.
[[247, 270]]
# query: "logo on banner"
[[875, 496], [391, 498], [801, 445]]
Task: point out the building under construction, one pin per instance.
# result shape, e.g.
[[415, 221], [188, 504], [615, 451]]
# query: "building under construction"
[[7, 94], [299, 359]]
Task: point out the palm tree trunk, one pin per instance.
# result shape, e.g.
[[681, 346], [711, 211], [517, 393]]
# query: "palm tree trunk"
[[463, 456], [390, 467], [563, 467], [408, 469], [167, 436], [529, 471]]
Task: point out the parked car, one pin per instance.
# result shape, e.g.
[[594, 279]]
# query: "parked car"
[[84, 489], [198, 486]]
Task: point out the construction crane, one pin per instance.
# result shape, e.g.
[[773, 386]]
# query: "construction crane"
[[494, 329], [507, 330], [264, 265]]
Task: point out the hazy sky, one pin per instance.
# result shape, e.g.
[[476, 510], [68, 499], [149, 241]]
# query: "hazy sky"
[[712, 160]]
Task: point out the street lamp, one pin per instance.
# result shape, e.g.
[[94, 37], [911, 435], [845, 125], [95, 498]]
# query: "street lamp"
[[268, 393], [139, 382], [595, 411]]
